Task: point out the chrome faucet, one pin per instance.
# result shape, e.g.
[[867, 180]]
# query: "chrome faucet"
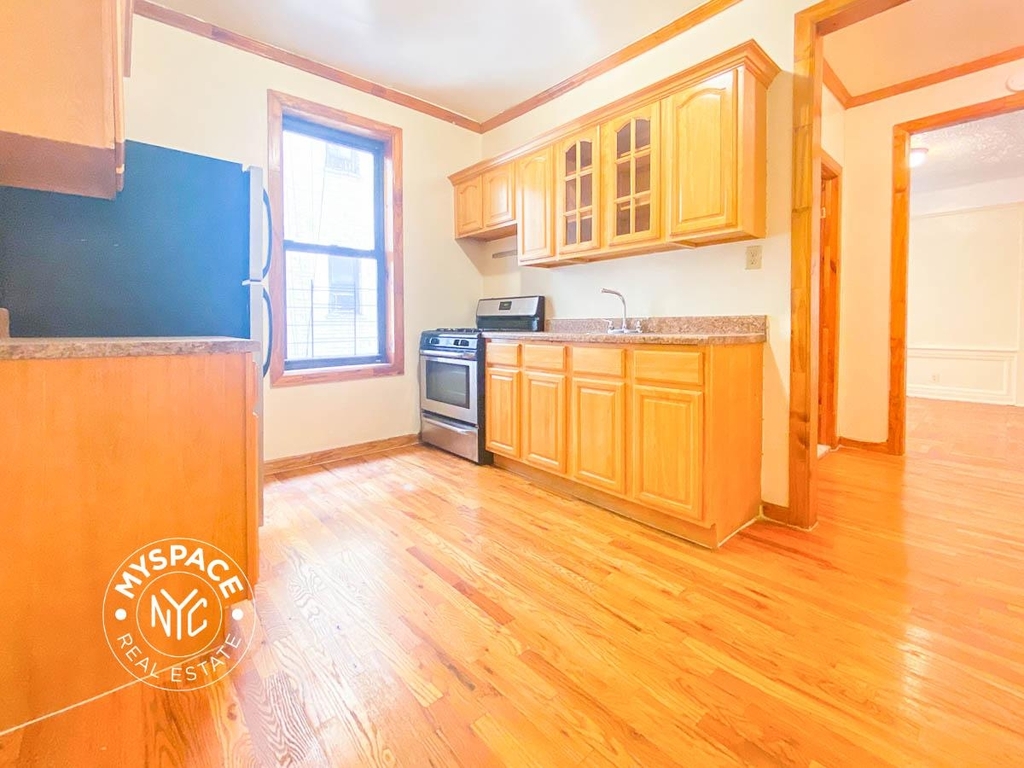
[[624, 328]]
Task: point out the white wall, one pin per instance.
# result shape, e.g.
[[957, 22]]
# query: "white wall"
[[867, 223], [201, 96], [965, 302], [982, 195], [833, 126]]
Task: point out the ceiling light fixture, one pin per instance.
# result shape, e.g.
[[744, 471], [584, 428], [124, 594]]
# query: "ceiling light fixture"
[[1016, 82], [918, 156]]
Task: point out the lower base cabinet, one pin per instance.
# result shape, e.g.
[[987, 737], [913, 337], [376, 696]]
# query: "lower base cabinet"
[[544, 420], [503, 409], [667, 435], [598, 416]]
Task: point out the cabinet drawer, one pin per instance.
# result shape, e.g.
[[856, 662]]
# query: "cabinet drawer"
[[501, 353], [599, 361], [544, 357], [668, 366]]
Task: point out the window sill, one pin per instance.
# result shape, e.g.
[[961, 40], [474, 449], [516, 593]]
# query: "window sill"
[[328, 375]]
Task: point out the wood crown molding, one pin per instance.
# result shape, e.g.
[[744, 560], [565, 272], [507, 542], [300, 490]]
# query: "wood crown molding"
[[315, 459], [749, 55], [835, 85], [150, 10], [673, 29], [950, 73], [709, 9]]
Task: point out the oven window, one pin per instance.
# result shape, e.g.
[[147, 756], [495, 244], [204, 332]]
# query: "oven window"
[[448, 383]]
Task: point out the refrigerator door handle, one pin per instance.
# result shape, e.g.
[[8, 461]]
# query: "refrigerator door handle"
[[270, 232], [270, 333]]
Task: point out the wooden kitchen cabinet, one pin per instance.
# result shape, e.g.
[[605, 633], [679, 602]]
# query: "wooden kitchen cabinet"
[[469, 207], [485, 204], [62, 120], [502, 386], [715, 159], [669, 435], [667, 461], [631, 167], [86, 478], [499, 196], [577, 191], [544, 420], [535, 181], [598, 435], [679, 164]]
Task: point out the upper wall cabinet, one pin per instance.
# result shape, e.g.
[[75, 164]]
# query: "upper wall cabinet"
[[679, 164], [578, 218], [711, 196], [62, 120], [631, 160], [485, 207], [535, 178]]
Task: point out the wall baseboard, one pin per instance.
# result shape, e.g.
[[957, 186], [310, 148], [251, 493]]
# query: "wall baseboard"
[[966, 375], [306, 460], [863, 445]]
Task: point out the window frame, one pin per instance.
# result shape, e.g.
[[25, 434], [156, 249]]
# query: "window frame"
[[280, 105]]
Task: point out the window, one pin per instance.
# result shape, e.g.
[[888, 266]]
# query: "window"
[[335, 276]]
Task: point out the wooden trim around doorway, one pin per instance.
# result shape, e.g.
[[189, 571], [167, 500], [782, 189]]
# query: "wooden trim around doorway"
[[828, 384], [811, 25], [896, 439]]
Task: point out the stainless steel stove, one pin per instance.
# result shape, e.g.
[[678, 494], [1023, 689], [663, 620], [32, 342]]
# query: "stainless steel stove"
[[452, 375]]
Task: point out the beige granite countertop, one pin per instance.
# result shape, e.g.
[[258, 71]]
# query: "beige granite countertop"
[[736, 329], [55, 349]]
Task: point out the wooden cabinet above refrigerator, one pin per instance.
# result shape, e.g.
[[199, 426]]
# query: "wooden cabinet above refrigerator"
[[62, 121]]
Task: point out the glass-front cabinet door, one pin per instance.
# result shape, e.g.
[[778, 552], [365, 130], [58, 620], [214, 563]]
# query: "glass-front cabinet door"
[[631, 164], [577, 189]]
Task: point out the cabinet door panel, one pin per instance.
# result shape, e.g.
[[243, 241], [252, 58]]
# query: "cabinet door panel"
[[468, 207], [667, 450], [598, 453], [631, 170], [702, 138], [499, 196], [535, 181], [502, 406], [577, 167], [544, 428]]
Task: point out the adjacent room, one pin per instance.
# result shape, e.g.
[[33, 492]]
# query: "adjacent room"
[[542, 384]]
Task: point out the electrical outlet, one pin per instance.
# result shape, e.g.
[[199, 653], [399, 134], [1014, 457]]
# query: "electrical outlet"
[[934, 378], [754, 257]]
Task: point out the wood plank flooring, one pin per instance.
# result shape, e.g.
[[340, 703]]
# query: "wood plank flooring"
[[418, 610]]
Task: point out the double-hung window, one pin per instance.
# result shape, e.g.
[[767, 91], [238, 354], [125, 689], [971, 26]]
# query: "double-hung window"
[[337, 244]]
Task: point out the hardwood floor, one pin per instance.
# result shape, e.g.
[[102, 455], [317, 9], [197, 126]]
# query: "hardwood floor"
[[421, 611]]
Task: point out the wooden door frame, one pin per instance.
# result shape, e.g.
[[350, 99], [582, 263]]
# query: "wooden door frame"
[[832, 180], [811, 25], [901, 135]]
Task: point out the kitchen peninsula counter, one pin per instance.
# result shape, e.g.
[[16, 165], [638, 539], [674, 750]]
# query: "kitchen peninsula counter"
[[142, 346]]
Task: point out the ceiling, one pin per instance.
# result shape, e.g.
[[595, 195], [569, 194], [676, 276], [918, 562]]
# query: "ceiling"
[[969, 153], [473, 57], [921, 37]]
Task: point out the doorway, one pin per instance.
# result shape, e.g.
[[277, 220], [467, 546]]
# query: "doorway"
[[962, 268], [828, 318]]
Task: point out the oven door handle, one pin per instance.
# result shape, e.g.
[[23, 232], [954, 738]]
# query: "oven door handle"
[[446, 425], [448, 355]]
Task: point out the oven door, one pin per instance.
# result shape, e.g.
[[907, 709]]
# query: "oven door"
[[448, 385]]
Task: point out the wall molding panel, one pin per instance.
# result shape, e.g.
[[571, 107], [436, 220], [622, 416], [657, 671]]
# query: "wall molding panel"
[[967, 375]]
